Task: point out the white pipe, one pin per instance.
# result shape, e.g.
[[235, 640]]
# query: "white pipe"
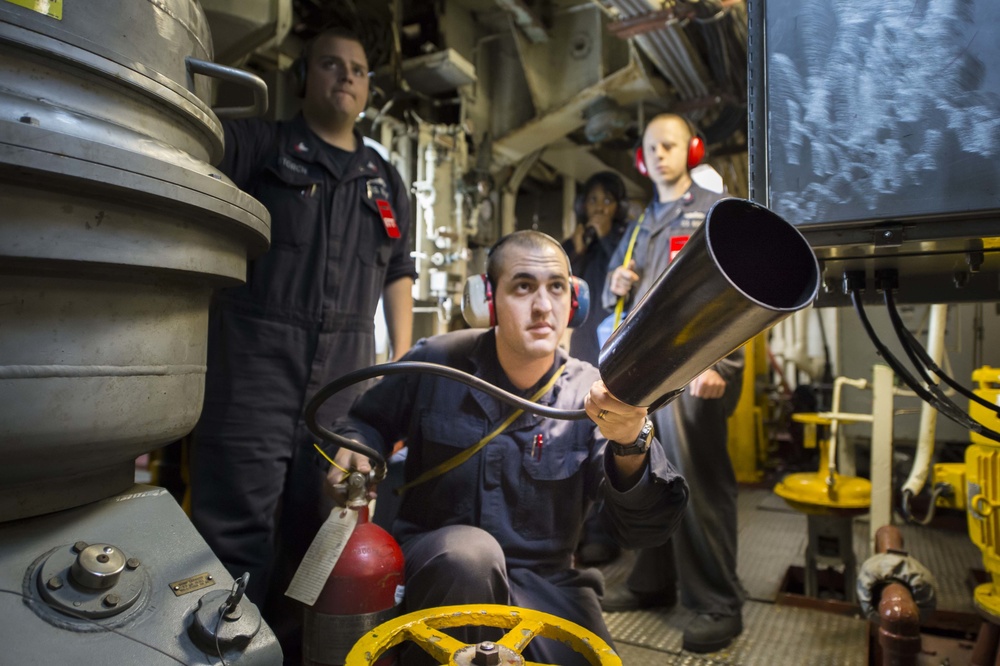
[[838, 383], [928, 414], [881, 456]]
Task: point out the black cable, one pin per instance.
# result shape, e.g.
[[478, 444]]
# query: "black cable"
[[911, 343], [899, 327], [948, 408], [402, 367], [97, 624]]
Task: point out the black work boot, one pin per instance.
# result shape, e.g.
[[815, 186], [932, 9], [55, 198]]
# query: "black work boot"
[[620, 598], [711, 633]]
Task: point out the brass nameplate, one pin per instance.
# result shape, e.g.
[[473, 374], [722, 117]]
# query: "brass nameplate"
[[192, 584]]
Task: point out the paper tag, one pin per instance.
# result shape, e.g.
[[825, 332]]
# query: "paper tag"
[[322, 556]]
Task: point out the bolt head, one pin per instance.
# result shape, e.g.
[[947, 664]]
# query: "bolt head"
[[112, 600], [80, 546], [132, 563], [54, 583]]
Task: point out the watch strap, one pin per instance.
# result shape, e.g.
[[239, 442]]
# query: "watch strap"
[[639, 446]]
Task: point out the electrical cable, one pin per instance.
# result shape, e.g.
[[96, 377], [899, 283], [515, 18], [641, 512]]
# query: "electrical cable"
[[948, 408], [899, 327], [939, 489], [912, 344], [402, 367]]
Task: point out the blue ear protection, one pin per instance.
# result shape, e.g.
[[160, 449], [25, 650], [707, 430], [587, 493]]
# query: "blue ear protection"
[[477, 297]]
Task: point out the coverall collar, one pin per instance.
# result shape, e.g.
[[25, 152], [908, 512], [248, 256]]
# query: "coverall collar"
[[487, 367], [305, 145]]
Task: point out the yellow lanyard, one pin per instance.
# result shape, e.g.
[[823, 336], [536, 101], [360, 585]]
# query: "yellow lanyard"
[[457, 460], [620, 305]]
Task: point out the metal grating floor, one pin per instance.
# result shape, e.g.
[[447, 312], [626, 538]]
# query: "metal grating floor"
[[772, 537]]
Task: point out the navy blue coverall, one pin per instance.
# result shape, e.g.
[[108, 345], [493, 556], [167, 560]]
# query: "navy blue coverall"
[[502, 526], [304, 317]]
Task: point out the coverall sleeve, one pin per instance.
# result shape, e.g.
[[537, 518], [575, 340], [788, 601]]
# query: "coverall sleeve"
[[646, 514], [247, 142], [401, 263]]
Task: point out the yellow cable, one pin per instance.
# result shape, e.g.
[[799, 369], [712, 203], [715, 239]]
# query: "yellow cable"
[[329, 459], [620, 305]]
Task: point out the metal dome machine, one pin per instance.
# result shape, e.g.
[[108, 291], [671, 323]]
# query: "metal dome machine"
[[115, 231]]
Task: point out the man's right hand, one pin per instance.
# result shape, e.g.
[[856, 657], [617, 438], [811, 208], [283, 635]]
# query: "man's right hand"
[[622, 279], [351, 461]]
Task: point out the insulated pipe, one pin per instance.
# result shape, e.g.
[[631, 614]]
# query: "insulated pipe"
[[742, 271], [928, 414]]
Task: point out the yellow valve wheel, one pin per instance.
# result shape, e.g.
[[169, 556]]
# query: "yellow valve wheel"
[[423, 628]]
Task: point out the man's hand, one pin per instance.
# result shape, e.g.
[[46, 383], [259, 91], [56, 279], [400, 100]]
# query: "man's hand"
[[351, 461], [622, 279], [617, 421], [708, 385]]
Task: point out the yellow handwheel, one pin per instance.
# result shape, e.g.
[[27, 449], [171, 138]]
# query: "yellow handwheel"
[[423, 628]]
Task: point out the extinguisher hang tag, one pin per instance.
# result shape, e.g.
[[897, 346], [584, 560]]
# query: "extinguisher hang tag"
[[322, 556]]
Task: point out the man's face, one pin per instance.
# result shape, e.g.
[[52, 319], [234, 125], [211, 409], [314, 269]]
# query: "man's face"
[[337, 77], [665, 150], [532, 301]]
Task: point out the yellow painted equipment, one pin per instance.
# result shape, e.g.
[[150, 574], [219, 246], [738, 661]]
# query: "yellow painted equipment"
[[952, 474], [746, 442], [829, 501], [823, 492], [424, 628], [982, 491]]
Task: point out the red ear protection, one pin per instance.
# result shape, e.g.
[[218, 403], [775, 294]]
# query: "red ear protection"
[[696, 153]]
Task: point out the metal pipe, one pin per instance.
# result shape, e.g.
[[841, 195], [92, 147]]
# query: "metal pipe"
[[899, 617], [742, 271]]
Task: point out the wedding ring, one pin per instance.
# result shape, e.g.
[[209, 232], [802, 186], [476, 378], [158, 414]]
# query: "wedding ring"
[[601, 414]]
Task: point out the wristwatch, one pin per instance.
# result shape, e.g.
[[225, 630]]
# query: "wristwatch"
[[639, 446]]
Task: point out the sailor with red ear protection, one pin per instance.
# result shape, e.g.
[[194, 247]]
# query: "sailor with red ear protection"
[[698, 565], [478, 302]]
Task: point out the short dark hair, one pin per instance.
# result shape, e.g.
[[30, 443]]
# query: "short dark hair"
[[613, 185], [337, 31], [529, 239]]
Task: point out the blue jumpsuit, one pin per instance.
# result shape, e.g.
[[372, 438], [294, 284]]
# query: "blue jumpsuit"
[[304, 317], [502, 527], [701, 557]]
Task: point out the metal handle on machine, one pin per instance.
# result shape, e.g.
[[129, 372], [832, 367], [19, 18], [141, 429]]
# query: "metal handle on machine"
[[240, 78]]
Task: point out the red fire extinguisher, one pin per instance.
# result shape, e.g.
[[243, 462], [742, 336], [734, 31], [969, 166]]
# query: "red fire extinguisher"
[[364, 589]]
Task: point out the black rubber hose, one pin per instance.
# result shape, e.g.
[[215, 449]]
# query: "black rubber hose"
[[949, 409], [402, 367], [913, 347]]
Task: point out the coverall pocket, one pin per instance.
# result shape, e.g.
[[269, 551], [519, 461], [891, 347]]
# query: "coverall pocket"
[[550, 493], [293, 199], [453, 493]]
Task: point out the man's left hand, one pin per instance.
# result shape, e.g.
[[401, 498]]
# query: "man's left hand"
[[708, 385], [617, 421]]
